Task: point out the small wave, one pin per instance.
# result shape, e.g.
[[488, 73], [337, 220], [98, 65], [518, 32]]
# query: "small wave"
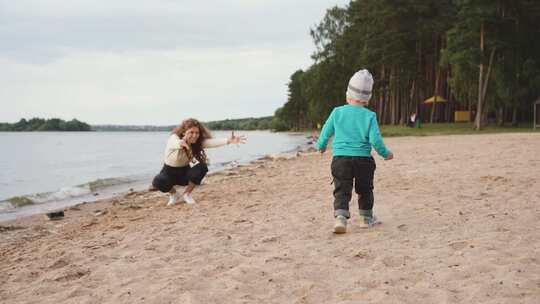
[[224, 165], [39, 198], [66, 192], [62, 194], [19, 201], [11, 203], [101, 183]]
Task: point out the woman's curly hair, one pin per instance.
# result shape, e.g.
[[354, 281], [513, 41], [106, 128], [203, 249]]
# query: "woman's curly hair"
[[197, 150]]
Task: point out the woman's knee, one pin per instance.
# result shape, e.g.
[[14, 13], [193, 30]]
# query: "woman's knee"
[[197, 173], [162, 183]]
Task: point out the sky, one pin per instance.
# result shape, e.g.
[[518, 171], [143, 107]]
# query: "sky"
[[152, 62]]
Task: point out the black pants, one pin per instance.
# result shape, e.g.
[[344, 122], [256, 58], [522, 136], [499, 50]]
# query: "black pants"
[[349, 169], [170, 176]]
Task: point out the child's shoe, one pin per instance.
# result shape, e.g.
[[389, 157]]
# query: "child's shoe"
[[188, 198], [341, 224], [369, 221], [174, 199]]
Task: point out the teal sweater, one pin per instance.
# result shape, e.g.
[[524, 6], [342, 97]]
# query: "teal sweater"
[[355, 131]]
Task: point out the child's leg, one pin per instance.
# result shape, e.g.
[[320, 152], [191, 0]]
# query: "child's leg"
[[364, 169], [343, 182]]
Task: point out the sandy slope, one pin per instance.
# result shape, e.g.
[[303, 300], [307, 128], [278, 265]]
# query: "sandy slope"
[[461, 225]]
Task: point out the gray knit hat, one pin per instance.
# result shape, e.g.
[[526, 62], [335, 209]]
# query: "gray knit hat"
[[360, 86]]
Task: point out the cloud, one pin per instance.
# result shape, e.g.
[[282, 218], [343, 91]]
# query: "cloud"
[[151, 62], [150, 87], [50, 29]]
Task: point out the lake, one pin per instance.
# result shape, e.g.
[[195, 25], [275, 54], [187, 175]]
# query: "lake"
[[41, 171]]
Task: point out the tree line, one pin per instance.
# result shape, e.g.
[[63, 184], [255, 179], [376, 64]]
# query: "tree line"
[[131, 128], [261, 123], [480, 56], [39, 124]]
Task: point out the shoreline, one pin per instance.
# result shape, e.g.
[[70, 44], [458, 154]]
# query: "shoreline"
[[460, 225], [134, 186], [99, 206]]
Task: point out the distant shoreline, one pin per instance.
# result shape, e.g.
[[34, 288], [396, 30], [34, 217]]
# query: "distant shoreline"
[[40, 124], [242, 124], [56, 124]]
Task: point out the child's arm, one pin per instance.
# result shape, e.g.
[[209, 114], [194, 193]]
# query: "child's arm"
[[375, 139], [326, 133]]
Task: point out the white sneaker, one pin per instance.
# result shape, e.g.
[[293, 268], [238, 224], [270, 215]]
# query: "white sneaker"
[[368, 222], [340, 225], [188, 198], [174, 199]]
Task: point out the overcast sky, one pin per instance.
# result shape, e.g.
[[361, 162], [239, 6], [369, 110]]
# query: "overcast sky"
[[154, 61]]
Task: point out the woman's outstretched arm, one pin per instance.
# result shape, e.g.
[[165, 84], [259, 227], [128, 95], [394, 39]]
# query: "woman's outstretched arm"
[[218, 142]]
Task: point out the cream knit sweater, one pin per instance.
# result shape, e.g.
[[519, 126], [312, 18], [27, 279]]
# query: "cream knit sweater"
[[175, 156]]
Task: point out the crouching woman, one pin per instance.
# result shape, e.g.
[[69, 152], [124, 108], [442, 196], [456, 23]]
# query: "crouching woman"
[[186, 161]]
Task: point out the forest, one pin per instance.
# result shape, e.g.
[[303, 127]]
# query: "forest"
[[261, 123], [40, 124], [476, 58]]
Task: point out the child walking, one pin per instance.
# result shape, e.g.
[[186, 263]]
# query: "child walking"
[[356, 131]]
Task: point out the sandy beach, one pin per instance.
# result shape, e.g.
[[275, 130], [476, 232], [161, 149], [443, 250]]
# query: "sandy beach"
[[461, 224]]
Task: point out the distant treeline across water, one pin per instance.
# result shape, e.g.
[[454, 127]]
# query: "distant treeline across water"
[[245, 124], [55, 124], [40, 124]]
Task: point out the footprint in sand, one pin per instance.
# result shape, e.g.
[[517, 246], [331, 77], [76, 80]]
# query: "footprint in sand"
[[393, 261], [71, 275], [458, 245], [60, 263], [362, 254]]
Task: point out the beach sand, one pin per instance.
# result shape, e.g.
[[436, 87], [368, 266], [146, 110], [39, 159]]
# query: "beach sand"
[[461, 224]]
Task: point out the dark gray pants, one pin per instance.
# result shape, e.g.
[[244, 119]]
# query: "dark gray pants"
[[347, 170], [171, 176]]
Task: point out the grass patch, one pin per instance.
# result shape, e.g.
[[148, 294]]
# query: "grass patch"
[[449, 129]]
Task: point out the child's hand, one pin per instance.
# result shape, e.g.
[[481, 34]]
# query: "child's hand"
[[322, 150], [390, 156]]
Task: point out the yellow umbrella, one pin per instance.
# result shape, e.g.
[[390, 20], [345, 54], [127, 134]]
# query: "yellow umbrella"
[[435, 98]]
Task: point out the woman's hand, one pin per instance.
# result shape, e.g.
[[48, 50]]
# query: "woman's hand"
[[184, 145], [233, 139]]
